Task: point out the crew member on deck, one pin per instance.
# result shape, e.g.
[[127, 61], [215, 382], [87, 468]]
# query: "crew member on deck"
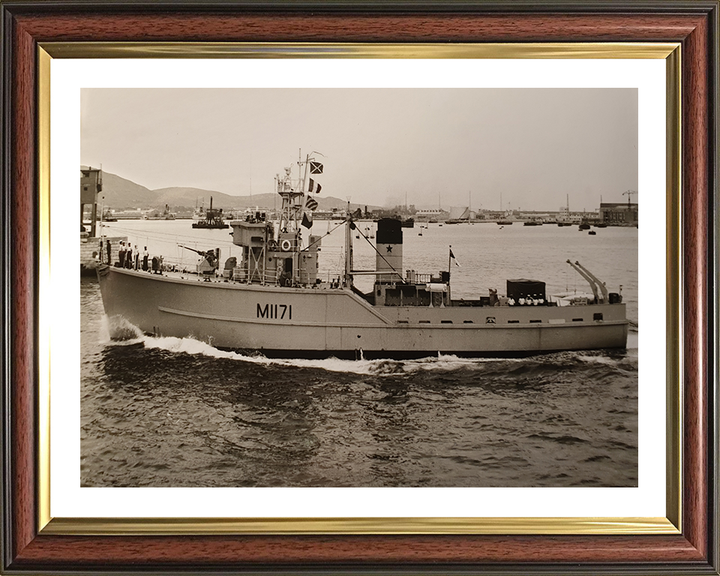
[[145, 259], [122, 254]]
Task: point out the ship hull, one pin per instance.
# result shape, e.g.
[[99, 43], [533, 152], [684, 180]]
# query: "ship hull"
[[302, 322]]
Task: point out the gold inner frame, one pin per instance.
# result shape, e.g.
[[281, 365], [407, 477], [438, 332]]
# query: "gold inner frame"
[[671, 524]]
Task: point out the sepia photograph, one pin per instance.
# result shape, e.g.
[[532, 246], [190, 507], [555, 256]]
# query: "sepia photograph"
[[359, 287]]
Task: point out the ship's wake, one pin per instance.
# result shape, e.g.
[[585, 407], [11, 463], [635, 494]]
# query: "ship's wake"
[[117, 331], [383, 367]]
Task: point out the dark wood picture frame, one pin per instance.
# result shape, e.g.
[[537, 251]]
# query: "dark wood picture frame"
[[694, 24]]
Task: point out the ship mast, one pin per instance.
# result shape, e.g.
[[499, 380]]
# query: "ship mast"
[[291, 193], [347, 281]]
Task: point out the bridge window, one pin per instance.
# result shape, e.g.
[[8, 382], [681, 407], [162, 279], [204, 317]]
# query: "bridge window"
[[597, 316]]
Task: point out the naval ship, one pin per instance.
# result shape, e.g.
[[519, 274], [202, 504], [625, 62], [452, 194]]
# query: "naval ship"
[[272, 301]]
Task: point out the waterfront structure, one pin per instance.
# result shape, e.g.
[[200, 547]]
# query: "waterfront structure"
[[436, 214], [93, 247], [90, 187], [619, 213]]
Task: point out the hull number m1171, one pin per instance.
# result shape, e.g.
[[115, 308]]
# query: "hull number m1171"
[[275, 311]]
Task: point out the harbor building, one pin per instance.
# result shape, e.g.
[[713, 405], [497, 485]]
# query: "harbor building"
[[432, 214], [90, 186], [94, 247], [619, 214]]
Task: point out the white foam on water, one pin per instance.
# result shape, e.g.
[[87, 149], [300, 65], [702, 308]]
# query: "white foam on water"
[[117, 331], [598, 360], [188, 346], [447, 363]]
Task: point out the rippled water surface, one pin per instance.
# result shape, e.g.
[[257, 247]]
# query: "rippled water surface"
[[177, 412]]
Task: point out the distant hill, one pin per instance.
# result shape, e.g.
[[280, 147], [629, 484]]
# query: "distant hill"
[[123, 194], [189, 197]]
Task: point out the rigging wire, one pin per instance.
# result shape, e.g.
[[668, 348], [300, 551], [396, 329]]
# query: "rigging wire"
[[324, 235]]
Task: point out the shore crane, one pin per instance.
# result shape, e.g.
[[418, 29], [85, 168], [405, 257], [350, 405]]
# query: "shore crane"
[[629, 194]]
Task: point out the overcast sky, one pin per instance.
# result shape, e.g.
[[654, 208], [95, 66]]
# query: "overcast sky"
[[529, 147]]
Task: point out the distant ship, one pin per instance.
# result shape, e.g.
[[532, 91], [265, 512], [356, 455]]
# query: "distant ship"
[[271, 300], [213, 219], [164, 215], [108, 216], [564, 221]]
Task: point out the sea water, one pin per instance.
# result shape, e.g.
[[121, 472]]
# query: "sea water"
[[178, 412]]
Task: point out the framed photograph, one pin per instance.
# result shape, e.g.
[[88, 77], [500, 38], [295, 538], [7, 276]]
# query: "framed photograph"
[[361, 287]]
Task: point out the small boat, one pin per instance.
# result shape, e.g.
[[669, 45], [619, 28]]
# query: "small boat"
[[592, 233]]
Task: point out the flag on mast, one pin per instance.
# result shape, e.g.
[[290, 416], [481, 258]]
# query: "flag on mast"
[[314, 187], [307, 219], [311, 203], [452, 257]]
